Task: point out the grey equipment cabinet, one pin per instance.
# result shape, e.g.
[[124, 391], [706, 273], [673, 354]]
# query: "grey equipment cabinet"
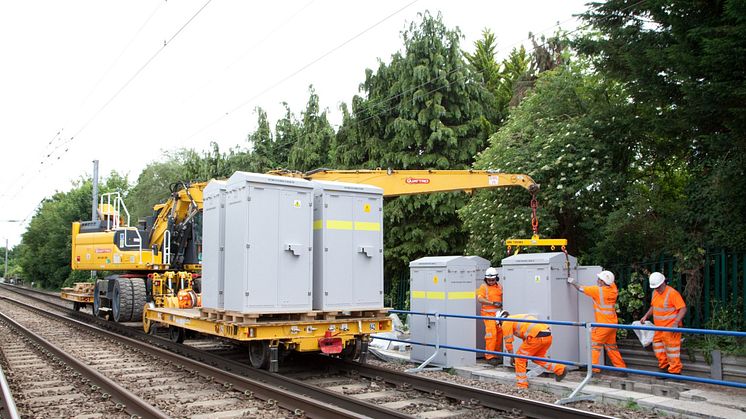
[[213, 244], [444, 284], [269, 244], [536, 283], [481, 266], [348, 246]]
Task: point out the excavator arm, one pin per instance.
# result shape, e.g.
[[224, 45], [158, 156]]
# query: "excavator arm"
[[412, 182]]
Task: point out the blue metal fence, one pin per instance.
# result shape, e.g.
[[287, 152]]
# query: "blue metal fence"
[[589, 365]]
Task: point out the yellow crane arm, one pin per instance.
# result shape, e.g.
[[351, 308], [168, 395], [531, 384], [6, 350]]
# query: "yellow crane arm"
[[411, 182]]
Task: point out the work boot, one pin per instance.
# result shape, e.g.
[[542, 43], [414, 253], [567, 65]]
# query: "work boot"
[[494, 361], [560, 377]]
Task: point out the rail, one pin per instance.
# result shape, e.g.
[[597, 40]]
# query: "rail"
[[588, 365], [8, 404]]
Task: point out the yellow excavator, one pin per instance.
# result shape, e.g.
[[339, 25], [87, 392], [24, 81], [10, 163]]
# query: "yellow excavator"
[[158, 262]]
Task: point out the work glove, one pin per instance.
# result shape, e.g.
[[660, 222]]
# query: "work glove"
[[570, 280]]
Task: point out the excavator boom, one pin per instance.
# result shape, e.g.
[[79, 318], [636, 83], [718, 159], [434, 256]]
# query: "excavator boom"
[[412, 182]]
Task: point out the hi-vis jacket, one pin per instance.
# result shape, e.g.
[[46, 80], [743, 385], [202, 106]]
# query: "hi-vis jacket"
[[604, 299], [666, 306], [521, 329]]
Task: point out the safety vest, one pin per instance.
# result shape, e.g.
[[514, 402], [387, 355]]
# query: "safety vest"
[[523, 330], [664, 310], [492, 293], [605, 312]]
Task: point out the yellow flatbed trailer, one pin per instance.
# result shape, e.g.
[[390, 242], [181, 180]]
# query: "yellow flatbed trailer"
[[344, 334], [81, 294]]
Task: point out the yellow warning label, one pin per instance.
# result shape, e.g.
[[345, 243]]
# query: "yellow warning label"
[[435, 279], [537, 279], [366, 208], [296, 203]]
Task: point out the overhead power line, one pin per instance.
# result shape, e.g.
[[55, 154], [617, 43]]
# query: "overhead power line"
[[301, 69]]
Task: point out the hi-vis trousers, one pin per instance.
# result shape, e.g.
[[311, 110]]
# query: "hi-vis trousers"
[[667, 348], [605, 338], [493, 338], [537, 347]]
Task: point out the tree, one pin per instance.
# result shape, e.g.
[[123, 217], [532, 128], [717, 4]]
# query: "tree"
[[572, 134], [153, 183], [422, 110], [676, 61], [311, 149]]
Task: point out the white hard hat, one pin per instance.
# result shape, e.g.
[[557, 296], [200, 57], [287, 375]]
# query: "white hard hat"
[[490, 273], [656, 279], [606, 276]]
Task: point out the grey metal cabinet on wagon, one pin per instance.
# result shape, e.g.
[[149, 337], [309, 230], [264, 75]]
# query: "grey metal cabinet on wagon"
[[348, 246], [268, 244], [445, 284], [213, 244]]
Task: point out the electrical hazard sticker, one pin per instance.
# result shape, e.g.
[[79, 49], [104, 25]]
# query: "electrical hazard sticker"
[[296, 203], [366, 208], [537, 279], [435, 279]]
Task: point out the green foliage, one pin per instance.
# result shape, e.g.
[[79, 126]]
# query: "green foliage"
[[676, 61], [725, 316], [46, 246], [570, 135], [631, 304], [419, 111], [311, 149]]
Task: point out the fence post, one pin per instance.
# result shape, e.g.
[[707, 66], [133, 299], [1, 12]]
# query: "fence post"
[[723, 276], [707, 288], [573, 397], [734, 276], [422, 366]]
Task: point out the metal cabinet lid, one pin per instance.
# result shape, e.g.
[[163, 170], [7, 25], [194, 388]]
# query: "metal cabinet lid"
[[536, 259], [247, 177], [327, 185], [447, 261]]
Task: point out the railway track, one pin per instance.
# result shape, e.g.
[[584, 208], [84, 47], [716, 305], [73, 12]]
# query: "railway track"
[[368, 390], [168, 385]]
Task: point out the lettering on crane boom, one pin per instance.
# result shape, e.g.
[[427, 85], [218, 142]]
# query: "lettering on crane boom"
[[417, 181]]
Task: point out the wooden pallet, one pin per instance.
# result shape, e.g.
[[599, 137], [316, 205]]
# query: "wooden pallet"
[[366, 314], [235, 317], [255, 318]]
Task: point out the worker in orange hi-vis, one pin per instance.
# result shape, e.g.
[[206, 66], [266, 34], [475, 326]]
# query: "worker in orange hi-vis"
[[537, 338], [668, 310], [490, 295], [604, 295]]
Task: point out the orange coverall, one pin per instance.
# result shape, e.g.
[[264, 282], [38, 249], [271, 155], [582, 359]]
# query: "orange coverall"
[[667, 345], [604, 299], [493, 335], [532, 345]]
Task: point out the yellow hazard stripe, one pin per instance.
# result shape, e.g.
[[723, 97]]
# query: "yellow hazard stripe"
[[338, 225], [347, 225], [418, 294], [367, 226], [461, 295], [436, 295]]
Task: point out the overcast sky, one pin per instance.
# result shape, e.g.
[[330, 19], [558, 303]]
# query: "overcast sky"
[[122, 81]]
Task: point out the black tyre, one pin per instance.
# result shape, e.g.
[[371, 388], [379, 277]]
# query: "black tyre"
[[100, 285], [259, 354], [351, 351], [139, 296], [121, 300], [176, 334]]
